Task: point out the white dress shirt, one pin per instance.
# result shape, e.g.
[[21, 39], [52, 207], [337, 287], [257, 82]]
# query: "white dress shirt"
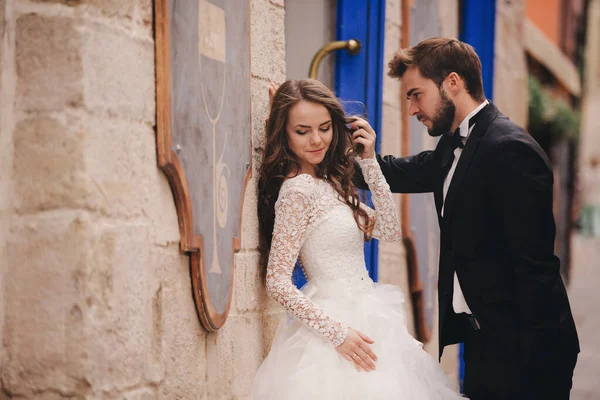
[[458, 299]]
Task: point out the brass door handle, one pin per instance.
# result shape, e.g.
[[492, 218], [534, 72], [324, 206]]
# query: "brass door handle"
[[353, 46]]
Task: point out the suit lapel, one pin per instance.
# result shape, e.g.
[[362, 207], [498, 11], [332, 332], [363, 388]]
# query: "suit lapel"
[[489, 113], [444, 154]]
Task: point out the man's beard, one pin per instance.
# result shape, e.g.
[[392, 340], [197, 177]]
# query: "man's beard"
[[444, 116]]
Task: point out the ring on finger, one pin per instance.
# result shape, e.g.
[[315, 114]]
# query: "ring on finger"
[[355, 356]]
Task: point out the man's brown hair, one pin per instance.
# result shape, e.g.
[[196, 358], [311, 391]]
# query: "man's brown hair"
[[436, 58]]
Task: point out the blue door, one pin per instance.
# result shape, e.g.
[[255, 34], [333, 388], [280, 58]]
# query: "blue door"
[[358, 80]]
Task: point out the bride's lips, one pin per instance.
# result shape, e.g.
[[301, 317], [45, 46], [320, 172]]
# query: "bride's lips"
[[316, 151]]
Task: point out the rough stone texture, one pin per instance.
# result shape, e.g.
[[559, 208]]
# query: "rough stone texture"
[[250, 216], [120, 284], [44, 309], [392, 256], [391, 129], [49, 65], [268, 40], [7, 79], [100, 303], [234, 355], [448, 15], [393, 13], [510, 67], [48, 165], [121, 86], [183, 368], [260, 113], [109, 312], [279, 3], [136, 10], [391, 86], [69, 3], [250, 291], [123, 181]]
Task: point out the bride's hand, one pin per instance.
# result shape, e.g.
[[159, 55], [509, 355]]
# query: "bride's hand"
[[272, 89], [356, 349], [364, 135]]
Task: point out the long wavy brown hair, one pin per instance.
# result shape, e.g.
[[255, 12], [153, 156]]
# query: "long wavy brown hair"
[[279, 162]]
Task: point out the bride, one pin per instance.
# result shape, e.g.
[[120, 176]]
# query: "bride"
[[344, 337]]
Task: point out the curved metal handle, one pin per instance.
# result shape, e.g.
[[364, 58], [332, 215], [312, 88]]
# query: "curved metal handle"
[[353, 46]]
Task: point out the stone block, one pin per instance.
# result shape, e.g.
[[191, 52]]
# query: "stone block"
[[267, 31], [48, 165], [448, 17], [249, 292], [134, 10], [270, 323], [119, 71], [236, 350], [393, 12], [248, 351], [68, 3], [219, 355], [182, 343], [510, 65], [44, 304], [279, 3], [126, 180], [391, 130], [128, 9], [391, 86], [120, 300], [139, 394], [260, 112], [250, 215], [48, 63]]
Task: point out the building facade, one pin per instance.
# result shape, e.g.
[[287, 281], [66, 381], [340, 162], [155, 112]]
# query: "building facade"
[[96, 297]]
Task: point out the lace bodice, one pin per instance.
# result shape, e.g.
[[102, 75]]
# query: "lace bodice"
[[313, 222]]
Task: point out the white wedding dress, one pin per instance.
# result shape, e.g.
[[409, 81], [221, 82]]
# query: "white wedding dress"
[[311, 222]]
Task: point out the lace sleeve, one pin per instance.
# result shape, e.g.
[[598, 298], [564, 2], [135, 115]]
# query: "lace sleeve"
[[387, 221], [292, 213]]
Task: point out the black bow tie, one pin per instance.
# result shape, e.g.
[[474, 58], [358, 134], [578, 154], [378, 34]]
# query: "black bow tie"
[[454, 139]]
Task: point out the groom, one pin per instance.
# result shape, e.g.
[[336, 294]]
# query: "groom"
[[499, 287]]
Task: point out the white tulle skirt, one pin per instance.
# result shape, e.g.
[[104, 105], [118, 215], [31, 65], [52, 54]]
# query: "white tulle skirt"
[[301, 365]]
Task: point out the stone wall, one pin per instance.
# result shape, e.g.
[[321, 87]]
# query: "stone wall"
[[392, 256], [96, 293], [95, 296], [510, 67], [6, 122]]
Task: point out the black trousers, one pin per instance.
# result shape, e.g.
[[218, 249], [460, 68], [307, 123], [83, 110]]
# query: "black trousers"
[[492, 372]]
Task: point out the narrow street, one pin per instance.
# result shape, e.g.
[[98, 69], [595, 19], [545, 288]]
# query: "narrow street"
[[584, 293]]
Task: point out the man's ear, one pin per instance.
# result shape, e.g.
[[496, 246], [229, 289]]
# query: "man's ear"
[[453, 82]]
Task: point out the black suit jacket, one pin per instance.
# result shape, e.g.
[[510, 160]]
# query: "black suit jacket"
[[497, 233]]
